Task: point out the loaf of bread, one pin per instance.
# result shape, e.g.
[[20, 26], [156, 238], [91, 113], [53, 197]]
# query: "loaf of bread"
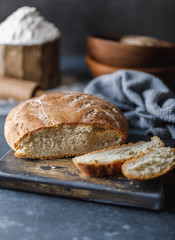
[[143, 41], [109, 161], [150, 165], [64, 124]]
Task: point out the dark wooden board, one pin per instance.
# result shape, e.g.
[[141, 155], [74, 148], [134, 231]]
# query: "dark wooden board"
[[60, 177]]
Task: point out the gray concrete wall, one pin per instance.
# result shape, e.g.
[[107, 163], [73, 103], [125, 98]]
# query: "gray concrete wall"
[[78, 18]]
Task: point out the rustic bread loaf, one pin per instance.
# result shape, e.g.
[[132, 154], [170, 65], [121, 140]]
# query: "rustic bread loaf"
[[109, 161], [150, 165], [141, 41], [64, 124]]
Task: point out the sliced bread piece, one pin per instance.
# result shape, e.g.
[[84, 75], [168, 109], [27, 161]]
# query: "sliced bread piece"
[[109, 160], [150, 165]]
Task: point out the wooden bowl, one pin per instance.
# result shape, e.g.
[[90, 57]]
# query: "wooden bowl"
[[165, 73], [108, 50]]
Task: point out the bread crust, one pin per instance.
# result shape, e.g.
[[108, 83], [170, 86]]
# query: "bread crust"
[[132, 177], [107, 169], [62, 108], [99, 170], [21, 155]]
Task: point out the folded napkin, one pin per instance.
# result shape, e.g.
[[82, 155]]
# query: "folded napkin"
[[145, 100]]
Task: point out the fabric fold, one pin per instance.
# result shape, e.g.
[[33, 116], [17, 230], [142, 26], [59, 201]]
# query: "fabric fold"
[[144, 99]]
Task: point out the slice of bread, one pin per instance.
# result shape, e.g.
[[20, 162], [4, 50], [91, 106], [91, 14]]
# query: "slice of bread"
[[150, 165], [109, 160]]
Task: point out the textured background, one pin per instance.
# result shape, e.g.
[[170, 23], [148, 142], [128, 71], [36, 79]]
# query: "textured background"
[[78, 18]]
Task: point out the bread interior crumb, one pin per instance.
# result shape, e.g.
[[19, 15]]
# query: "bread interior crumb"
[[121, 153], [62, 140], [152, 163]]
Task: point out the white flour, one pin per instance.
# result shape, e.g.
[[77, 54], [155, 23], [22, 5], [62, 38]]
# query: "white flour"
[[26, 27]]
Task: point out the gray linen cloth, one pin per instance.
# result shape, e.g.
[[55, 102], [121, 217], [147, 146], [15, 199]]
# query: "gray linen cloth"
[[145, 100]]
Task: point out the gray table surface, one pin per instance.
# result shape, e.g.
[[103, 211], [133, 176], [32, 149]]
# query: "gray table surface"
[[27, 216]]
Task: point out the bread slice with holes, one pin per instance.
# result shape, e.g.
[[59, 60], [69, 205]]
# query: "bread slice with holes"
[[64, 124], [150, 165], [108, 161]]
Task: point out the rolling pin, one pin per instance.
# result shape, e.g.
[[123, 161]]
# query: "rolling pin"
[[19, 90]]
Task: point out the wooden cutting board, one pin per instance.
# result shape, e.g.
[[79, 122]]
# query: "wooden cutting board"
[[61, 178]]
